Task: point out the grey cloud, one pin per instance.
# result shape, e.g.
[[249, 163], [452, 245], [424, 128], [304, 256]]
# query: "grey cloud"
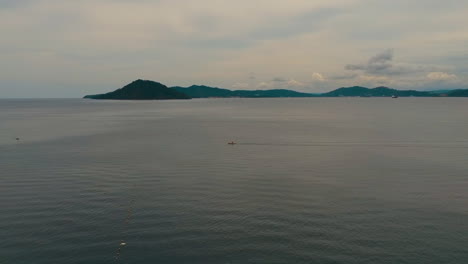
[[382, 57], [308, 21], [343, 77], [49, 43], [378, 64], [383, 64]]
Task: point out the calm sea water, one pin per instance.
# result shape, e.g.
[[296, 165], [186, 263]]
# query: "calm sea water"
[[344, 180]]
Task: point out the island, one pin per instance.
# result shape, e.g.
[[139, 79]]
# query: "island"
[[142, 90], [150, 90]]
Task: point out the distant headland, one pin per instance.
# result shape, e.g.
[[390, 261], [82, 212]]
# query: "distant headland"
[[150, 90], [142, 90]]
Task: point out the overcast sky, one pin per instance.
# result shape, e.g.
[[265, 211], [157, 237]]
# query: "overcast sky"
[[68, 48]]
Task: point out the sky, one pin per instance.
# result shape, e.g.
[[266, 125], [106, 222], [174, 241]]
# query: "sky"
[[69, 48]]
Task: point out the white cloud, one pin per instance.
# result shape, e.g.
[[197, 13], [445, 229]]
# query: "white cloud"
[[294, 83], [318, 77], [441, 76], [264, 85]]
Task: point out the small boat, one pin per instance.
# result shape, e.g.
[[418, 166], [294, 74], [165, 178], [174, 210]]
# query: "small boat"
[[232, 143]]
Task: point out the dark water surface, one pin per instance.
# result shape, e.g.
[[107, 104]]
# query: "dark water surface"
[[344, 180]]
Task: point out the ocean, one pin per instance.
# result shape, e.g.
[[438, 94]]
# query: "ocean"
[[310, 180]]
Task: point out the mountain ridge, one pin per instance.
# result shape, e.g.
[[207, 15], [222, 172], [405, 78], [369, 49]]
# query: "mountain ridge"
[[381, 91], [202, 91]]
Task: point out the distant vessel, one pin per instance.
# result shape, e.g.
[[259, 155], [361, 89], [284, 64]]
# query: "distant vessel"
[[232, 143]]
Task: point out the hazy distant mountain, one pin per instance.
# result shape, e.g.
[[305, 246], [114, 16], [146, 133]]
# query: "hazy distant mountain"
[[142, 90], [375, 92], [201, 91]]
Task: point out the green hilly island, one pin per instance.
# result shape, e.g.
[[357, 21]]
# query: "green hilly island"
[[142, 90]]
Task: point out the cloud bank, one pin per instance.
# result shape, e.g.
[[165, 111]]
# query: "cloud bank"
[[52, 48]]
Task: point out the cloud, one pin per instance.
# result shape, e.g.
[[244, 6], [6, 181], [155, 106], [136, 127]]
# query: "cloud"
[[304, 22], [341, 77], [295, 83], [377, 64], [382, 64], [240, 86], [236, 26], [50, 46], [264, 85], [372, 80], [318, 77], [441, 76]]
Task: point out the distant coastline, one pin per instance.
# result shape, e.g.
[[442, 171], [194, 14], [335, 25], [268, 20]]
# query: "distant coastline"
[[150, 90]]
